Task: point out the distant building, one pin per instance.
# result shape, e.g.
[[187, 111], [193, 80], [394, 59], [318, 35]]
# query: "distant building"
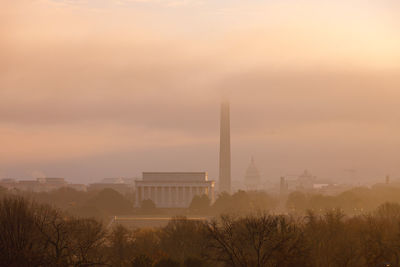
[[51, 183], [8, 183], [306, 181], [118, 180], [252, 178], [173, 189], [331, 189], [38, 185], [46, 184], [52, 180], [29, 185]]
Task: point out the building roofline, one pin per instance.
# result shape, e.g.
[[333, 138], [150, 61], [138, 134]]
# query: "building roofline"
[[177, 172]]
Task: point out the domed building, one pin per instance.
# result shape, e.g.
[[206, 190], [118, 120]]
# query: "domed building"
[[306, 180], [252, 178]]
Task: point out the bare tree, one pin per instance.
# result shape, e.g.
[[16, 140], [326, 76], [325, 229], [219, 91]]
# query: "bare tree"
[[54, 228], [121, 246], [19, 237], [261, 240], [87, 239], [182, 239]]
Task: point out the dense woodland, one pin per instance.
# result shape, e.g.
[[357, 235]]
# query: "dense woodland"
[[60, 229], [104, 204], [38, 235]]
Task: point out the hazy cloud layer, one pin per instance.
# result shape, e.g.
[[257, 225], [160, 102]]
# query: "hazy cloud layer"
[[100, 88]]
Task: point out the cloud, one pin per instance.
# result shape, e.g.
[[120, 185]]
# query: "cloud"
[[129, 3], [83, 81]]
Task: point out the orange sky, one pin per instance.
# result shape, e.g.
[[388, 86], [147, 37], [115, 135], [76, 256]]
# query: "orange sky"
[[93, 89]]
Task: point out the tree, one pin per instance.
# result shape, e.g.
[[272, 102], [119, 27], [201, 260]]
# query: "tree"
[[19, 238], [87, 239], [333, 241], [3, 191], [238, 203], [167, 262], [121, 247], [389, 212], [148, 206], [111, 202], [297, 201], [39, 235], [262, 240], [182, 238], [147, 242], [54, 228], [142, 261], [261, 201], [200, 204], [222, 204], [194, 262]]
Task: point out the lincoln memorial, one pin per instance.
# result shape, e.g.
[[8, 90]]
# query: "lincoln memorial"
[[173, 189]]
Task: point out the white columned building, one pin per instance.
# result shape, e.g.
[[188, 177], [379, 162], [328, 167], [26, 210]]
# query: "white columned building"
[[173, 189]]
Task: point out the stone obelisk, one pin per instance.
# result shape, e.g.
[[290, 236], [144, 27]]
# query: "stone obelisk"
[[225, 150]]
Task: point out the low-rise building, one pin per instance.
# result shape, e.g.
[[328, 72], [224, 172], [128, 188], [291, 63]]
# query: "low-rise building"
[[51, 183], [29, 185], [8, 183]]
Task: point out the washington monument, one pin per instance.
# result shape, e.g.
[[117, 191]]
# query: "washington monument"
[[225, 150]]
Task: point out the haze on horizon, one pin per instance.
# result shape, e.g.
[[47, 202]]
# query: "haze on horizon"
[[94, 89]]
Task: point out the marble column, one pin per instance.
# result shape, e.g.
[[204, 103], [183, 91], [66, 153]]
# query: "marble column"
[[137, 197], [173, 196], [159, 199], [169, 197], [180, 195], [156, 195], [162, 189], [193, 193], [187, 196]]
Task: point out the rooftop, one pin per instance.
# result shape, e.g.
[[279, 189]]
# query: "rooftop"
[[175, 176]]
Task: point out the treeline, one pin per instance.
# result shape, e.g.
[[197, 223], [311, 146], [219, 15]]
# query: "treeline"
[[241, 202], [355, 201], [34, 234], [97, 204], [105, 204]]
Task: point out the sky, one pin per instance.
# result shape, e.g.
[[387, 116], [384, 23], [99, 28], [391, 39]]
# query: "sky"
[[106, 88]]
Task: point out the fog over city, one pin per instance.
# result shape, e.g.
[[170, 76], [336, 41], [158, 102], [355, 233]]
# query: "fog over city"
[[94, 89], [199, 133]]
